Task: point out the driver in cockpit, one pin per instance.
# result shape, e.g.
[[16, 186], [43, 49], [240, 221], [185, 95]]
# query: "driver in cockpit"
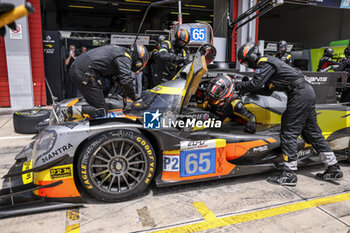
[[219, 98]]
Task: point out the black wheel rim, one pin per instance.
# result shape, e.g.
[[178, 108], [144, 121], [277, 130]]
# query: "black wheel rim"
[[118, 166]]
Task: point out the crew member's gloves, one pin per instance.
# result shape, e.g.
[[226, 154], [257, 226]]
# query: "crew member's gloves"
[[4, 8], [250, 127]]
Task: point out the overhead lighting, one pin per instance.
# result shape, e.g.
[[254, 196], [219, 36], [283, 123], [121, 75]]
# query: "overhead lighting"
[[83, 7], [132, 10], [137, 1], [203, 21], [176, 13], [198, 6]]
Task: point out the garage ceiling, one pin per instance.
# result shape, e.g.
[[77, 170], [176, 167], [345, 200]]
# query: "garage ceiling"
[[119, 15]]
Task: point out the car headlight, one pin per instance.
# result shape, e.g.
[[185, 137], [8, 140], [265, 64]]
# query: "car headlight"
[[44, 143]]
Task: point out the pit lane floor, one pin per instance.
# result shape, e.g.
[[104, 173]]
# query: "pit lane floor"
[[243, 204]]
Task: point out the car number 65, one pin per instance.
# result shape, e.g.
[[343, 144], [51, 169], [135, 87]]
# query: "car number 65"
[[192, 159], [198, 162]]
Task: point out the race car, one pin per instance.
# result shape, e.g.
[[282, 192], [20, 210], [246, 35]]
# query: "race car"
[[160, 138]]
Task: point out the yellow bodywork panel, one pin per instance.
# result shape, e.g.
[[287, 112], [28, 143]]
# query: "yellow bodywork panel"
[[264, 116], [328, 120], [332, 120]]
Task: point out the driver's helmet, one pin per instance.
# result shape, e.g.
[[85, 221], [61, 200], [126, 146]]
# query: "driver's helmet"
[[159, 41], [328, 52], [282, 47], [220, 91], [140, 57], [182, 37], [347, 52], [248, 55]]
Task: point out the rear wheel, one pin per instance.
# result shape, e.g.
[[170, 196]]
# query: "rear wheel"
[[116, 165]]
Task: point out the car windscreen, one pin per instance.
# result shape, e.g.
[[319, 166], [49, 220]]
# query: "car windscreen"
[[151, 102]]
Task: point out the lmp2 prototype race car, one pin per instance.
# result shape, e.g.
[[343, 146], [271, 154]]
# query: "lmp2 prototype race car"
[[161, 138]]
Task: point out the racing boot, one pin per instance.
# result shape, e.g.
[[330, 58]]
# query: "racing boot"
[[287, 178], [332, 173]]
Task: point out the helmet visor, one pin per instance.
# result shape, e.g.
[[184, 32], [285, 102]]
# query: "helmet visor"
[[181, 43]]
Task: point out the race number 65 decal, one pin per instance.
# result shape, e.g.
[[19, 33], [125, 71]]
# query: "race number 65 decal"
[[197, 162]]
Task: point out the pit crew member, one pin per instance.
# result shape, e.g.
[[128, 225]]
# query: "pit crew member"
[[169, 58], [221, 100], [299, 117], [345, 64], [88, 69], [326, 60], [182, 38], [282, 53]]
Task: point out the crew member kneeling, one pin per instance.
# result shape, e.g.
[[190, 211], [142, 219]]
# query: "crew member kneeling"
[[299, 117], [88, 69]]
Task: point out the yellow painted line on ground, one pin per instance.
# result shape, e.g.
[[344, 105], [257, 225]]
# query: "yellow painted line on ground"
[[205, 212], [72, 221], [211, 221], [73, 228]]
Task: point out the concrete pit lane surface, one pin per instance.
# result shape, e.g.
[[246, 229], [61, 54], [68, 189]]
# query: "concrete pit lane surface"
[[243, 204]]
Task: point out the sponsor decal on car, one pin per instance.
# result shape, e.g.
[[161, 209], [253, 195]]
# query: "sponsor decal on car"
[[192, 145], [62, 172], [116, 114], [260, 149], [27, 177], [57, 152]]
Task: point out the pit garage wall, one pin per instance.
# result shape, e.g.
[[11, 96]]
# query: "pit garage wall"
[[4, 84], [37, 54], [25, 67]]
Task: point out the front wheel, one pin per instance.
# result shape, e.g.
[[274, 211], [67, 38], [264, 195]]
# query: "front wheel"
[[116, 166]]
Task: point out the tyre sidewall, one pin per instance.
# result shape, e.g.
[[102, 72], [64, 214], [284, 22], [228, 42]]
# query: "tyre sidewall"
[[83, 170]]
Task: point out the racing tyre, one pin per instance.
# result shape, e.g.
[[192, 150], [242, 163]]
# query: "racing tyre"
[[27, 121], [116, 166]]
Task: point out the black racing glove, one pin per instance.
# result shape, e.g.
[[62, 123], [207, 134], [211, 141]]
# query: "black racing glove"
[[250, 127], [4, 8]]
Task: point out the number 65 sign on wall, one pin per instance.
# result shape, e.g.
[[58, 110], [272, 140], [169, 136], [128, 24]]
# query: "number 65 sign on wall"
[[201, 33], [198, 34]]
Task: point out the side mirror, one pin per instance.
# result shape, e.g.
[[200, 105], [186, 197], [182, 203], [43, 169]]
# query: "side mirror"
[[209, 52]]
